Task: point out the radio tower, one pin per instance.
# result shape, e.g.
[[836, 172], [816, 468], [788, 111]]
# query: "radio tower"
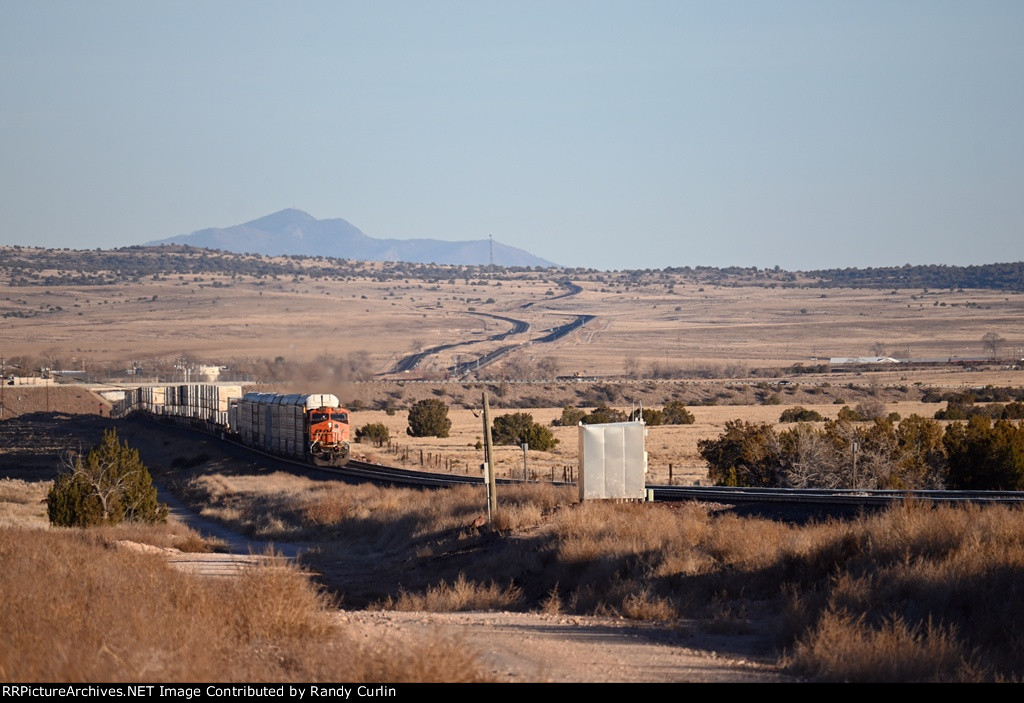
[[491, 237]]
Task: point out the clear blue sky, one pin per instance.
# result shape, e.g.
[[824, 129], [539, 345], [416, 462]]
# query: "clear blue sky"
[[627, 134]]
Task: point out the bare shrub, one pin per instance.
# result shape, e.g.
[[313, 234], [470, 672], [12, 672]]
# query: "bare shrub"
[[870, 409], [695, 525], [328, 507], [845, 648], [528, 505], [726, 615], [645, 605], [552, 603], [461, 595], [747, 542], [620, 546], [517, 517], [594, 531]]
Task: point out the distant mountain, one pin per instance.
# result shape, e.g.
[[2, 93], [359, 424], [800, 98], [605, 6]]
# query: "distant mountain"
[[297, 232]]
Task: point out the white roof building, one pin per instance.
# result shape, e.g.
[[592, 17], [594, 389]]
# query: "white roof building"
[[843, 360]]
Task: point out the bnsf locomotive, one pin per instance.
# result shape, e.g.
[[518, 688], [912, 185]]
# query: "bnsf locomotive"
[[312, 427], [309, 427]]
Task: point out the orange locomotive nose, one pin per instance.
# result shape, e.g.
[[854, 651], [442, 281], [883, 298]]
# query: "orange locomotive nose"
[[328, 436]]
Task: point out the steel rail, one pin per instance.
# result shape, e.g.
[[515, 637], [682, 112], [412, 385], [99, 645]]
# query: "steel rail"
[[819, 497]]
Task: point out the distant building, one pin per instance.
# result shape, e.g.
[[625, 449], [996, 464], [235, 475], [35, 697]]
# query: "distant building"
[[859, 360], [209, 373], [29, 381]]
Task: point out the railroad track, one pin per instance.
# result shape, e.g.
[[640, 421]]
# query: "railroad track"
[[779, 500], [844, 498], [821, 499], [719, 494]]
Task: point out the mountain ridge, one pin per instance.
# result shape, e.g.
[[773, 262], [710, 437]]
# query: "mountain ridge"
[[295, 232]]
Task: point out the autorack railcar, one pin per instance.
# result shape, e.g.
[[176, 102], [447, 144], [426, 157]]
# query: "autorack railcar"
[[311, 427]]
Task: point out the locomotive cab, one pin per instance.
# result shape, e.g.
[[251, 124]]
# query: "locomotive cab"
[[328, 435]]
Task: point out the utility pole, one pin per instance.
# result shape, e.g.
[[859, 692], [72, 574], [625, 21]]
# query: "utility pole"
[[492, 498], [526, 474], [183, 366], [855, 446], [3, 382]]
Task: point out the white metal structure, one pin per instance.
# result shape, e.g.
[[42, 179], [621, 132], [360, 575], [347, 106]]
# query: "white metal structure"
[[613, 461]]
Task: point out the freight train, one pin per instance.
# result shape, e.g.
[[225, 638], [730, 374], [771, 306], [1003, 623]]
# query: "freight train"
[[311, 427]]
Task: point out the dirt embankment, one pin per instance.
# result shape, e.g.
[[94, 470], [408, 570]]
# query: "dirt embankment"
[[70, 400]]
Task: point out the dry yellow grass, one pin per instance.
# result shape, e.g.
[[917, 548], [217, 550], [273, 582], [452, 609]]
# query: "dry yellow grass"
[[844, 647], [916, 594], [23, 503], [77, 611], [462, 594]]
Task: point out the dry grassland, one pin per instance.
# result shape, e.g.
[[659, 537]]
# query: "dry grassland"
[[673, 322], [753, 326], [219, 319], [23, 503]]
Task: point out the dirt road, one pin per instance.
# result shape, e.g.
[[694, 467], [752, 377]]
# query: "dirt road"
[[539, 648], [527, 647]]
